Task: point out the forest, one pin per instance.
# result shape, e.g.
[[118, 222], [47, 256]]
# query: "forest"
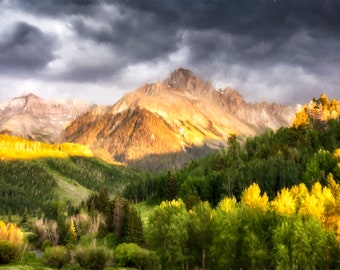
[[267, 202]]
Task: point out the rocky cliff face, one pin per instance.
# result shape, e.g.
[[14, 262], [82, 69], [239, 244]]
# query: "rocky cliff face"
[[173, 116], [33, 118]]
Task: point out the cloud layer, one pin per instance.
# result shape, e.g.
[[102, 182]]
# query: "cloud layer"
[[96, 50]]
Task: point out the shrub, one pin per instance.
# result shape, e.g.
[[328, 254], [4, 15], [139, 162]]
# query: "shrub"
[[10, 242], [10, 232], [94, 258], [57, 256], [132, 255], [46, 230], [46, 244], [8, 251], [83, 223]]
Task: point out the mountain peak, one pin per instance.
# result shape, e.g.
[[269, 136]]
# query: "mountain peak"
[[185, 79]]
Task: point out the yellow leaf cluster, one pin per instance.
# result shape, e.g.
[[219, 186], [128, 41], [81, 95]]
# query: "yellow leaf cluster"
[[10, 232], [73, 233], [284, 203], [321, 109], [227, 204], [18, 148], [252, 197], [173, 204], [322, 203]]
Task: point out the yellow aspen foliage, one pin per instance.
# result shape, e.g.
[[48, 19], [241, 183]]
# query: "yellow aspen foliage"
[[318, 109], [299, 193], [10, 232], [284, 203], [333, 186], [252, 197], [336, 155], [73, 233], [310, 206], [227, 204], [173, 204], [316, 202], [323, 195], [301, 117], [332, 212], [12, 147]]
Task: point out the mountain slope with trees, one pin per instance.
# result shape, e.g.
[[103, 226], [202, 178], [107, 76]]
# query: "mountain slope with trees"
[[275, 160], [32, 174]]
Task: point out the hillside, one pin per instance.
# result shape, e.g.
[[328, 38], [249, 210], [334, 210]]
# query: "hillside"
[[32, 174], [181, 118]]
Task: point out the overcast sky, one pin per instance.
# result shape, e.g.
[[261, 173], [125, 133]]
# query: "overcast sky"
[[284, 51]]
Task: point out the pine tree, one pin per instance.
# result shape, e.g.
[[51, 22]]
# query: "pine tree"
[[134, 227], [171, 186]]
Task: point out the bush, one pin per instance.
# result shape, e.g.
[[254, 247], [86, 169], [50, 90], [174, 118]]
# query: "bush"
[[57, 256], [46, 230], [94, 258], [132, 255], [46, 244], [8, 251]]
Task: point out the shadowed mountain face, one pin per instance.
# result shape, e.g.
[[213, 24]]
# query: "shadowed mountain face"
[[34, 118], [171, 117]]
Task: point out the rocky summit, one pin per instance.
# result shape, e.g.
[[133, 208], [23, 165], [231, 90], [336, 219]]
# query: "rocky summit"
[[176, 119]]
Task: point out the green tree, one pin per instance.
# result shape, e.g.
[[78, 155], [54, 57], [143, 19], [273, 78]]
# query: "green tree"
[[134, 227], [225, 248], [171, 186], [302, 243], [201, 228], [167, 233]]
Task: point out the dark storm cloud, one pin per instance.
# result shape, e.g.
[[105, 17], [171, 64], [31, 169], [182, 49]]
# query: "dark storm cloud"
[[138, 36], [260, 18], [56, 8], [259, 44], [25, 48]]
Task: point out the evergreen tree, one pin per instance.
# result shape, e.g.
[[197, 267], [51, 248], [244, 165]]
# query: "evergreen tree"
[[134, 227], [171, 186]]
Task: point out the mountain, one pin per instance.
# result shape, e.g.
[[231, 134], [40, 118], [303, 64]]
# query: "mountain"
[[178, 118], [31, 117]]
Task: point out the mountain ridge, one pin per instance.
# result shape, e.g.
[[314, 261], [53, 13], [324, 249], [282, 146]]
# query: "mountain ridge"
[[165, 118], [32, 117], [184, 109]]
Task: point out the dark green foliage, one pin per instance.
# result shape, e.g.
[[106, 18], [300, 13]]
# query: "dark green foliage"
[[134, 227], [33, 184], [94, 258], [121, 218], [8, 251], [93, 173], [171, 186], [25, 184], [274, 160], [132, 255], [98, 201], [57, 256]]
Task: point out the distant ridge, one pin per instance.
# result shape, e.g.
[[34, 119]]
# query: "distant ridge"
[[31, 117]]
